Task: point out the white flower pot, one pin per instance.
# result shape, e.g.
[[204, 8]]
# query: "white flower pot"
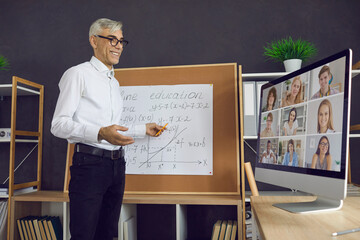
[[292, 65]]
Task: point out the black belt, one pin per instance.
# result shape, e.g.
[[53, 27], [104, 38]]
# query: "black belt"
[[116, 154]]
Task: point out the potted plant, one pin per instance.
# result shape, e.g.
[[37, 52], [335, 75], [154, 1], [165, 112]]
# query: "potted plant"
[[291, 53], [4, 63]]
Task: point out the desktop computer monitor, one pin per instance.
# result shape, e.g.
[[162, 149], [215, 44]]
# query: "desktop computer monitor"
[[303, 132]]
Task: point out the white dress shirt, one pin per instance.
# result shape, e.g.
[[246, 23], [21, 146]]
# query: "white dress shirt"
[[89, 99]]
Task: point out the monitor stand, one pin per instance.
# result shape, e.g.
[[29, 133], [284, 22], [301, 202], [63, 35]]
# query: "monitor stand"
[[319, 205]]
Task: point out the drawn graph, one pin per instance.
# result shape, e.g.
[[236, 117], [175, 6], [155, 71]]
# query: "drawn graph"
[[185, 148]]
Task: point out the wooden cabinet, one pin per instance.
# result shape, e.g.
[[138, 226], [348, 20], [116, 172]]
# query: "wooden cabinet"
[[56, 203]]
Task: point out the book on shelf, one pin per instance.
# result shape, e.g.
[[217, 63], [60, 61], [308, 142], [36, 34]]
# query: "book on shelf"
[[18, 223], [37, 227], [31, 227], [223, 230], [46, 227], [41, 227], [55, 227], [23, 228], [4, 187], [216, 230], [228, 230], [233, 231], [27, 228]]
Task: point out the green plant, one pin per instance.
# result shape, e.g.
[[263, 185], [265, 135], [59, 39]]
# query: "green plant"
[[287, 48], [4, 63]]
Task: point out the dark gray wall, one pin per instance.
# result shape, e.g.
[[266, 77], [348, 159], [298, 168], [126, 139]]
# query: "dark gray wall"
[[44, 38]]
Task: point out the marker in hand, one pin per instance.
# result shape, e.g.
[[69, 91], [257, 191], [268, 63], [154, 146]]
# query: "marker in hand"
[[161, 130]]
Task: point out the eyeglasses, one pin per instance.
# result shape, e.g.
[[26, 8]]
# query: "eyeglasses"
[[114, 41], [324, 144]]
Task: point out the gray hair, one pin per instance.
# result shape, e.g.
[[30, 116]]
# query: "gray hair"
[[104, 23]]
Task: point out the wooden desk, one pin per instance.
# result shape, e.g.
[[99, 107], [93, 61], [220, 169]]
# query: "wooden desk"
[[275, 223]]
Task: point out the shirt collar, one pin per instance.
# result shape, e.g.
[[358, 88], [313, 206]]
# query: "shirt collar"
[[98, 65]]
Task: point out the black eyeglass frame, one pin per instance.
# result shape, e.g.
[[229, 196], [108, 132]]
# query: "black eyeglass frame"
[[123, 42]]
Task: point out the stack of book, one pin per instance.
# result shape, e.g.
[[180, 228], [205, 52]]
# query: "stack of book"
[[3, 218], [4, 190], [224, 230], [43, 228]]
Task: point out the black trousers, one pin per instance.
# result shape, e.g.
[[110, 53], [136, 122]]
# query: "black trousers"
[[96, 192]]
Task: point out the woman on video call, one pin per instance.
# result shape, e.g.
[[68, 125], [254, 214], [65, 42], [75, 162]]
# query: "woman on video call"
[[322, 158], [325, 118], [291, 125], [294, 96], [271, 100], [291, 157]]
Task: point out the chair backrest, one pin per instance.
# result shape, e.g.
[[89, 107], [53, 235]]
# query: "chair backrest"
[[251, 179]]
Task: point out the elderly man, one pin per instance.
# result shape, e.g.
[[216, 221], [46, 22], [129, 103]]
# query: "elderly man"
[[87, 113]]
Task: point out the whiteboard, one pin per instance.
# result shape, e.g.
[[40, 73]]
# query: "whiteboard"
[[186, 147]]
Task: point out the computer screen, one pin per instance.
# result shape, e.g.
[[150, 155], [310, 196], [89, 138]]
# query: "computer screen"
[[303, 131]]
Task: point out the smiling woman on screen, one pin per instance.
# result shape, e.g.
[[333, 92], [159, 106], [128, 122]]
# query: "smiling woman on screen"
[[322, 158], [294, 95], [325, 118]]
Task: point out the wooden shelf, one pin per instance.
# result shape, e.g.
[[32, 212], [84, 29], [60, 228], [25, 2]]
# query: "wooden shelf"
[[31, 203], [182, 199], [43, 196], [58, 196], [22, 87]]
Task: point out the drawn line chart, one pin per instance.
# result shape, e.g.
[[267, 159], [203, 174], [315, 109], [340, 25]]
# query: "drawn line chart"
[[158, 151]]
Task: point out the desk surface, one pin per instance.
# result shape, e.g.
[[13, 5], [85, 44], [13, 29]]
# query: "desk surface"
[[275, 223]]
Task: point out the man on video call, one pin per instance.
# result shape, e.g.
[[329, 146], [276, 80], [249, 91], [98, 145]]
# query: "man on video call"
[[87, 113], [325, 77]]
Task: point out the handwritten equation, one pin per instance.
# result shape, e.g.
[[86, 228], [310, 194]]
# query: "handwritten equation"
[[186, 147]]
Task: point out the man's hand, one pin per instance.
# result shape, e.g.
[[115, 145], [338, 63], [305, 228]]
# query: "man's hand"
[[110, 134], [152, 129]]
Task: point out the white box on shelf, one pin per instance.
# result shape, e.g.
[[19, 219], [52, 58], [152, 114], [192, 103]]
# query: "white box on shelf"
[[5, 133]]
